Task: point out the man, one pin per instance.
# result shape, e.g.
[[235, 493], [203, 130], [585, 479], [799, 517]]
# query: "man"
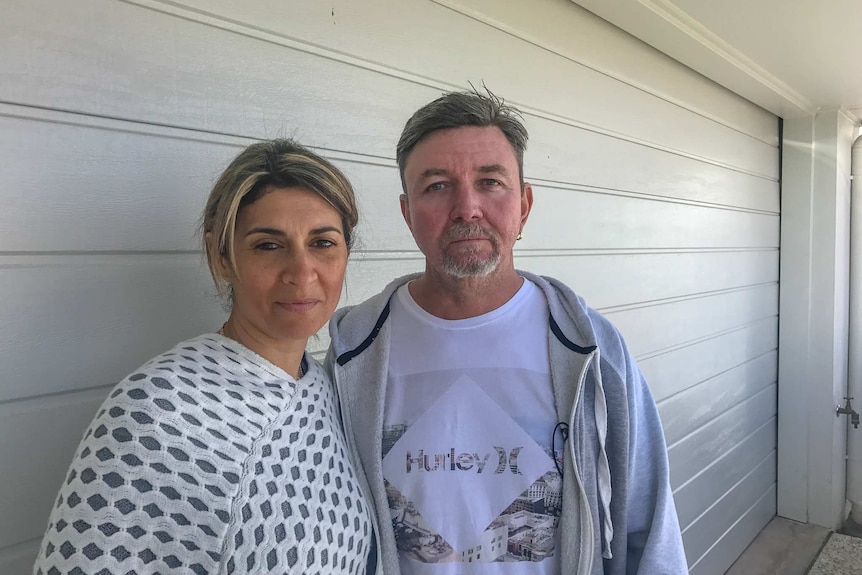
[[501, 424]]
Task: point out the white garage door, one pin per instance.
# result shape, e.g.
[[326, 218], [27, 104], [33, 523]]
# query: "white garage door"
[[656, 191]]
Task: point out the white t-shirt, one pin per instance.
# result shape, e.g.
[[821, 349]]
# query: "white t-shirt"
[[467, 440]]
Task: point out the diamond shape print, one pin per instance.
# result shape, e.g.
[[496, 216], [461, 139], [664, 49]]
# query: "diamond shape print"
[[120, 553], [67, 550], [108, 529], [96, 502], [92, 551], [439, 470], [113, 479]]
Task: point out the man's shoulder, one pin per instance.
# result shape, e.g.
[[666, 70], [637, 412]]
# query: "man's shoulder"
[[579, 322], [350, 325]]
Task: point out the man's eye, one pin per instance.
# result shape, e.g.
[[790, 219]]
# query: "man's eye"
[[436, 187], [491, 182]]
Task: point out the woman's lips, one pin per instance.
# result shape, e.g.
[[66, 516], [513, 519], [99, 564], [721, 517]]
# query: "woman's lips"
[[299, 305]]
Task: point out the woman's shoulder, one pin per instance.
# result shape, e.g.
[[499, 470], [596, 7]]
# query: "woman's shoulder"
[[177, 410], [207, 359], [205, 386], [204, 350]]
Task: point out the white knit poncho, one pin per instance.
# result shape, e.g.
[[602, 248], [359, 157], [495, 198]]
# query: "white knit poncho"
[[211, 460]]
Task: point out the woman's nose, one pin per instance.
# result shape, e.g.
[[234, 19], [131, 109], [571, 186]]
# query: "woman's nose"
[[298, 269]]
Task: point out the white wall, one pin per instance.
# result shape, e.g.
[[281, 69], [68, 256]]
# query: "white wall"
[[814, 312], [656, 198]]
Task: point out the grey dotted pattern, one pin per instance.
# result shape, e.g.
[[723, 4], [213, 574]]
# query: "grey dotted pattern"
[[208, 460]]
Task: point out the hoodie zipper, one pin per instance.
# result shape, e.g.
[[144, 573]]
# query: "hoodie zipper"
[[585, 558]]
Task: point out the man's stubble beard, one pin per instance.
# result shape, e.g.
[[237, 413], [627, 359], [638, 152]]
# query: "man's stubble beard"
[[471, 264]]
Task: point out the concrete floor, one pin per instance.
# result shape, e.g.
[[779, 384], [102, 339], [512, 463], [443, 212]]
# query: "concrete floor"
[[785, 547]]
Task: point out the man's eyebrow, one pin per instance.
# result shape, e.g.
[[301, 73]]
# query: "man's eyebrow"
[[487, 169], [433, 172], [494, 169]]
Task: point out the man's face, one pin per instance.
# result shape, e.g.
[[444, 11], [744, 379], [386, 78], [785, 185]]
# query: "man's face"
[[464, 204]]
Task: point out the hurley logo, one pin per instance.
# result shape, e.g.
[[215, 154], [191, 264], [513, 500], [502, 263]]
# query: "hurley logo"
[[462, 444], [463, 461]]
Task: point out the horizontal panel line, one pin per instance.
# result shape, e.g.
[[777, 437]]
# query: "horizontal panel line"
[[716, 416], [485, 19], [21, 547], [687, 297], [732, 487], [170, 131], [641, 142], [77, 255], [716, 375], [732, 527], [184, 133], [646, 196], [726, 412], [270, 36], [728, 453], [714, 335], [565, 252], [56, 394], [384, 255], [644, 251]]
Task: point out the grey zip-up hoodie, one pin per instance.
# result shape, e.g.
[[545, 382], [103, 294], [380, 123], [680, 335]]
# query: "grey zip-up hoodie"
[[618, 513]]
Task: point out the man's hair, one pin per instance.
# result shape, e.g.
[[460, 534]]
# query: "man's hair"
[[262, 167], [459, 109]]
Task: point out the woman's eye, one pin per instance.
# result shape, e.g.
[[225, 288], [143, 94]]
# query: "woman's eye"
[[323, 243], [266, 246]]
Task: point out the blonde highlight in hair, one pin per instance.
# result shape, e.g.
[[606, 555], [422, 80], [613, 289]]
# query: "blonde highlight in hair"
[[261, 167]]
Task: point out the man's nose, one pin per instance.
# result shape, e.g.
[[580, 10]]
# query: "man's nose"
[[467, 203]]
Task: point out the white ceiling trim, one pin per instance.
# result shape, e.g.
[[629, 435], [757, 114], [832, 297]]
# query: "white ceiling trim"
[[701, 34], [671, 30]]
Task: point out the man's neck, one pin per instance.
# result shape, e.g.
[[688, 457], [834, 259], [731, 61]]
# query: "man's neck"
[[448, 297]]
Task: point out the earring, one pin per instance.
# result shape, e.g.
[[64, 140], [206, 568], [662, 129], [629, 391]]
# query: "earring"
[[520, 236]]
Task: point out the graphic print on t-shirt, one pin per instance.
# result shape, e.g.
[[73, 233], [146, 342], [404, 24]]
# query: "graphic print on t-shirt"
[[468, 465], [431, 473]]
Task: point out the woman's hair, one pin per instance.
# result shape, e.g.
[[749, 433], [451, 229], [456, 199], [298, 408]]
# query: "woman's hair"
[[267, 165]]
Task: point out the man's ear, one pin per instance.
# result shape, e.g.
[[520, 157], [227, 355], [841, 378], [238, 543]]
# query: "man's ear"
[[405, 210], [526, 203]]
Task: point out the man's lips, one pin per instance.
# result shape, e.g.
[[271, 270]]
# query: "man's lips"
[[476, 239], [467, 243]]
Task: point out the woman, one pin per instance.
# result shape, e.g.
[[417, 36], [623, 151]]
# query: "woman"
[[225, 454]]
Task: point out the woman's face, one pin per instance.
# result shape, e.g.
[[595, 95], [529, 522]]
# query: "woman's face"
[[291, 256]]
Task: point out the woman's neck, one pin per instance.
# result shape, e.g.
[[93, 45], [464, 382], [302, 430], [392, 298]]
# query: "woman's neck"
[[286, 354]]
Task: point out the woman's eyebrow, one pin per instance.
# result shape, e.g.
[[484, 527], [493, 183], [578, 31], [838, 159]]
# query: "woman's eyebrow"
[[277, 232], [324, 229], [267, 231]]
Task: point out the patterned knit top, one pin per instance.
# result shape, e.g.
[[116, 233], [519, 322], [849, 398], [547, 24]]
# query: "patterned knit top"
[[210, 460]]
